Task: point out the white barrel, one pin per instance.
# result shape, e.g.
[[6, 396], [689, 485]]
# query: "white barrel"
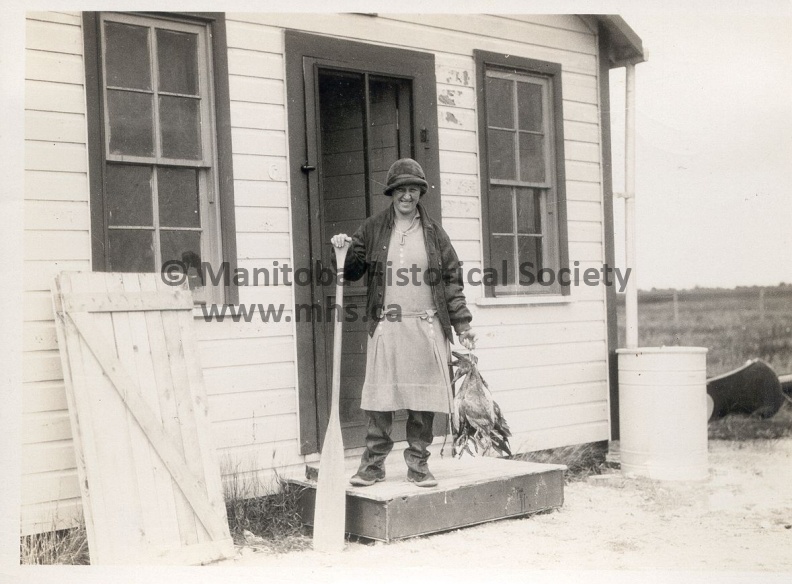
[[663, 412]]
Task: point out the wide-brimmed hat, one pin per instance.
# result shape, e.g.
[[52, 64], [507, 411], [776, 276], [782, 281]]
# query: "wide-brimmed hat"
[[405, 171]]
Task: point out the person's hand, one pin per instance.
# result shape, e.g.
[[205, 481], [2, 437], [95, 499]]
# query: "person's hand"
[[340, 239], [468, 339]]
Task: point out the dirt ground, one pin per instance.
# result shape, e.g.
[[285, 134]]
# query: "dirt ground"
[[739, 520]]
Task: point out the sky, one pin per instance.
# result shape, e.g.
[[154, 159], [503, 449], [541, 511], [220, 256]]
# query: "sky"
[[713, 148]]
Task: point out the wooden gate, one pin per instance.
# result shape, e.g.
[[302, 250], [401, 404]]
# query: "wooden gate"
[[149, 478]]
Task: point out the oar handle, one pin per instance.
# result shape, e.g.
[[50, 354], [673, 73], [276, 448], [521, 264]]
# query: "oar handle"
[[338, 325], [340, 254]]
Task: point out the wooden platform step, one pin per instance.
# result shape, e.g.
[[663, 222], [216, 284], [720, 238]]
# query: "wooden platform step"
[[470, 491]]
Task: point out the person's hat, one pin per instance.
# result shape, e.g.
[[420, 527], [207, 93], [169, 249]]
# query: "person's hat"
[[405, 171]]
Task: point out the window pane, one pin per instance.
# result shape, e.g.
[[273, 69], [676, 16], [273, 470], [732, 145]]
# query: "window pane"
[[383, 131], [177, 191], [502, 250], [127, 62], [501, 154], [341, 113], [128, 195], [177, 54], [529, 103], [530, 250], [500, 103], [528, 218], [131, 250], [180, 125], [532, 160], [501, 212], [131, 121], [184, 246]]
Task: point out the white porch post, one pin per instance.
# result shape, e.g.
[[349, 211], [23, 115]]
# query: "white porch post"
[[631, 314]]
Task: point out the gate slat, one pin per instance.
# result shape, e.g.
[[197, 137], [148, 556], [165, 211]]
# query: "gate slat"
[[187, 427], [83, 434], [200, 405], [121, 301], [143, 462]]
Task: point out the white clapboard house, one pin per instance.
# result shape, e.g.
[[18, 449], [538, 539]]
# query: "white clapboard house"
[[247, 140]]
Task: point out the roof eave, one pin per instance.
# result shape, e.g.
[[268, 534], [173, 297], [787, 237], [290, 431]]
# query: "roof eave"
[[626, 46]]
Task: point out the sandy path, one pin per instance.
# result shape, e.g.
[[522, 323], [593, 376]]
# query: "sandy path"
[[738, 520]]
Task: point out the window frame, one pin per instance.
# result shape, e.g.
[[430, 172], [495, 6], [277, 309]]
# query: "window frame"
[[559, 255], [219, 193]]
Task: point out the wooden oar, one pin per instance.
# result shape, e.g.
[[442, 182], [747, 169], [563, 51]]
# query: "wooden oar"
[[330, 510]]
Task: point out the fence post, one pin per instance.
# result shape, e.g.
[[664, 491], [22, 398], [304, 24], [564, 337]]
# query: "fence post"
[[761, 305]]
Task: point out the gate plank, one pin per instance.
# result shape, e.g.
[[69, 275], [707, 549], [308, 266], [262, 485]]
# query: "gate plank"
[[120, 301], [188, 430], [144, 463], [83, 435], [206, 452]]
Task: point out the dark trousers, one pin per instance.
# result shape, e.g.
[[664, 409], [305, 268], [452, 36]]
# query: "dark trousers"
[[379, 443]]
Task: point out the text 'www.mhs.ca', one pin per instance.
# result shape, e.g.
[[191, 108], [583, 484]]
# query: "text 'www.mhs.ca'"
[[275, 313]]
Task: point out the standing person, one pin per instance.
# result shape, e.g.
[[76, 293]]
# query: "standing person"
[[414, 271]]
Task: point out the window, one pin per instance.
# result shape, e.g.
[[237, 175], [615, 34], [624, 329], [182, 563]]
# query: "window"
[[155, 168], [522, 173]]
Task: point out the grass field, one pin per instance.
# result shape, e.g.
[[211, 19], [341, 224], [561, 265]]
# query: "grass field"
[[735, 325], [730, 323]]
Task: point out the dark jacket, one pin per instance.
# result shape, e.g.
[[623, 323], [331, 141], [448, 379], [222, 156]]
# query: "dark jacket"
[[368, 253]]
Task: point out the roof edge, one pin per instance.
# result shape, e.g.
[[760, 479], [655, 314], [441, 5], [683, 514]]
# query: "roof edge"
[[626, 47]]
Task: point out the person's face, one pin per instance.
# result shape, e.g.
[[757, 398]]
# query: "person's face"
[[405, 199]]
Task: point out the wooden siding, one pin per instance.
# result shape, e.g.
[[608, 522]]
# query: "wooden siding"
[[57, 238], [253, 379], [546, 363]]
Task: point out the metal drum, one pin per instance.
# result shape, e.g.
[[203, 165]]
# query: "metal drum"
[[663, 412]]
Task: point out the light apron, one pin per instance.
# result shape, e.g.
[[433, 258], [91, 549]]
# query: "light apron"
[[407, 359]]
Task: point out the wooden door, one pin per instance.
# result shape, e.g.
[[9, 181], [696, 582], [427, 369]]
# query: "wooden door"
[[149, 477], [363, 126]]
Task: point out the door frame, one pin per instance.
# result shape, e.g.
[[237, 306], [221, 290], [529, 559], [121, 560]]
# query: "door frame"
[[417, 66]]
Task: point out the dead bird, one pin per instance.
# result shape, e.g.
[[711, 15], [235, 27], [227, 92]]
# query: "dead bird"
[[479, 426]]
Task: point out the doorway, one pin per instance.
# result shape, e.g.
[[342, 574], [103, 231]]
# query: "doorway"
[[364, 126], [354, 110]]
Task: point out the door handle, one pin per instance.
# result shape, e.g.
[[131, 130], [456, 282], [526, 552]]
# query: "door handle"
[[306, 168]]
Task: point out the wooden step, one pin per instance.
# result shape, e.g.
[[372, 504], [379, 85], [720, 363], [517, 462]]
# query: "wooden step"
[[470, 491]]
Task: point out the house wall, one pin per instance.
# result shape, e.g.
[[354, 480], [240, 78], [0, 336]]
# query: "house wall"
[[56, 238], [547, 363]]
